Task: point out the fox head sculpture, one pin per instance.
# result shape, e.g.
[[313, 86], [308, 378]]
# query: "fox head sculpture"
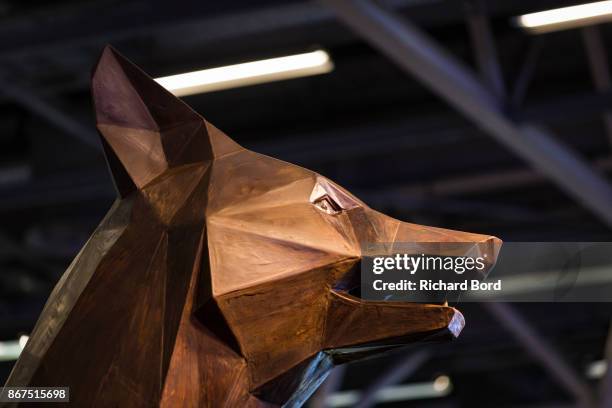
[[220, 277]]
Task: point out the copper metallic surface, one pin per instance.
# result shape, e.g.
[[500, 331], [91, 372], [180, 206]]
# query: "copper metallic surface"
[[219, 277]]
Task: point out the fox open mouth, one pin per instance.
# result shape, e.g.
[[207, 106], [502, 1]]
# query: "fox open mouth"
[[359, 333], [351, 282], [362, 317]]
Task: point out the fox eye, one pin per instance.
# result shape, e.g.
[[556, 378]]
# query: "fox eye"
[[327, 205]]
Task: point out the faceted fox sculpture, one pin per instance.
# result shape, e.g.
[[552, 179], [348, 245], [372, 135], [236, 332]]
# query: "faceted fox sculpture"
[[220, 277]]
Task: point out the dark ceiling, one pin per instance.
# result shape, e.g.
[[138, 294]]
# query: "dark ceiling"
[[367, 125]]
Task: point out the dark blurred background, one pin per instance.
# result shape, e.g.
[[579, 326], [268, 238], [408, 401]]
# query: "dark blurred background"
[[373, 126]]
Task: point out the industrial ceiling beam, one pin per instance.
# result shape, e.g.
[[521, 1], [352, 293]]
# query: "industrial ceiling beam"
[[535, 345], [32, 102], [488, 182], [330, 386], [394, 375], [526, 72], [484, 46], [419, 55], [81, 25]]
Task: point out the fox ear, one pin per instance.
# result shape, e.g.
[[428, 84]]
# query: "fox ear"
[[145, 129]]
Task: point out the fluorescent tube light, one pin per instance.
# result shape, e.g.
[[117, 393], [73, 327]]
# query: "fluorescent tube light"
[[9, 350], [566, 17], [248, 73], [597, 369], [23, 340], [438, 388]]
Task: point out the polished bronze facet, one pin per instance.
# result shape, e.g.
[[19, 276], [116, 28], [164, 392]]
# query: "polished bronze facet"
[[220, 276]]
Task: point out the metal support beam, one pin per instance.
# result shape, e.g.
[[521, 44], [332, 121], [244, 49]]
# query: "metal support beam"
[[483, 43], [71, 27], [394, 375], [526, 72], [331, 385], [600, 67], [419, 55], [486, 182], [30, 101], [535, 345]]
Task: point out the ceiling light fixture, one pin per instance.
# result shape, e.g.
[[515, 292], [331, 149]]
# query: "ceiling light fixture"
[[438, 388], [566, 17], [248, 73]]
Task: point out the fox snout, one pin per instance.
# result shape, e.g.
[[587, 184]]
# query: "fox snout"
[[354, 322]]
